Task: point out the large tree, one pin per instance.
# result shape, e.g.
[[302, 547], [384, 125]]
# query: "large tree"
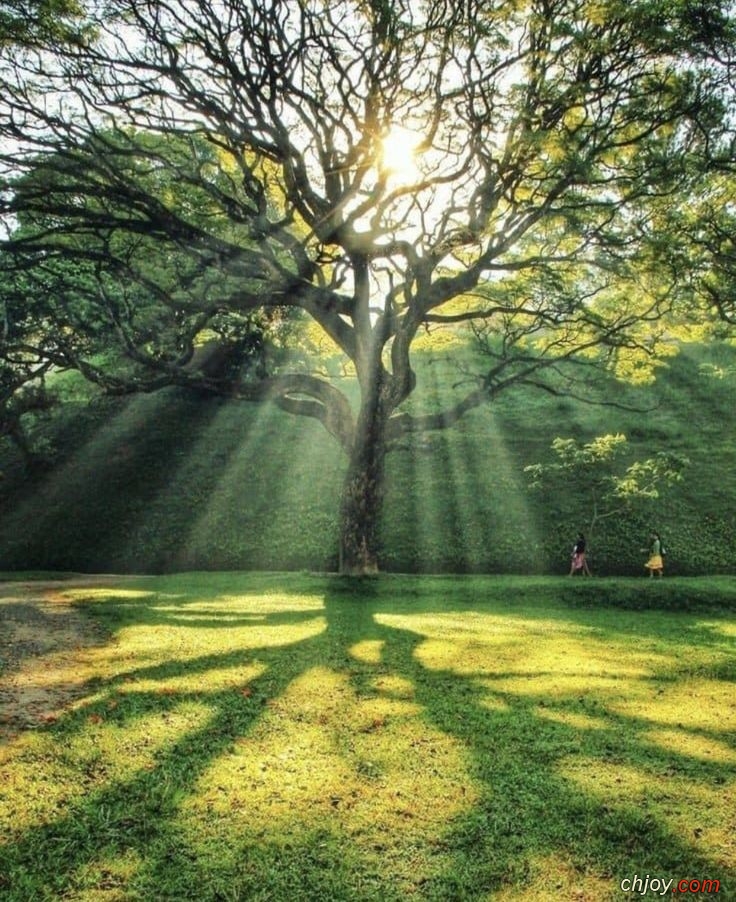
[[377, 167]]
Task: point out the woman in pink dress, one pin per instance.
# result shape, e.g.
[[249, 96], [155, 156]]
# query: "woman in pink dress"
[[578, 563]]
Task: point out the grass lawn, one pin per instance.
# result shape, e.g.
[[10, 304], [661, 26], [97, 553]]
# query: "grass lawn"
[[300, 737]]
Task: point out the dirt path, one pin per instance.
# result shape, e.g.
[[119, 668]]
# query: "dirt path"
[[43, 643]]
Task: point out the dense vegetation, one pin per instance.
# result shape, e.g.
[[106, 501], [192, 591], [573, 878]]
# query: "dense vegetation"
[[172, 481], [557, 176]]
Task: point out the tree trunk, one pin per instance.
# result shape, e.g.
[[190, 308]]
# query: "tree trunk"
[[362, 495]]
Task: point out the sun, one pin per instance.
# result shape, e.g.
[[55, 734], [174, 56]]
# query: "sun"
[[398, 155]]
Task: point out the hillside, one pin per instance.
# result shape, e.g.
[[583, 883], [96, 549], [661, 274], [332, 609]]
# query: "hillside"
[[173, 482]]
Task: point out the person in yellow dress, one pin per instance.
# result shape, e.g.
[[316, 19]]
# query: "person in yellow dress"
[[655, 564]]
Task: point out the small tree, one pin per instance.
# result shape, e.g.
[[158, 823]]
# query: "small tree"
[[594, 471]]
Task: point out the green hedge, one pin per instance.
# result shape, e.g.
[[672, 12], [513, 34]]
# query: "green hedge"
[[176, 482]]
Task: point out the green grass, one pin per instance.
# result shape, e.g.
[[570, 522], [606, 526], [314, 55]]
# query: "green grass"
[[281, 737]]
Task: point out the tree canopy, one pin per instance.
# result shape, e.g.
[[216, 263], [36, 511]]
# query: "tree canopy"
[[183, 169]]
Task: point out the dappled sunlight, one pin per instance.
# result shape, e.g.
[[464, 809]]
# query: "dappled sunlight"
[[573, 719], [559, 686], [113, 871], [494, 704], [104, 593], [315, 696], [549, 650], [695, 703], [164, 650], [691, 745], [480, 626], [31, 770], [609, 779], [368, 651], [717, 627], [225, 733], [370, 714], [173, 657], [391, 685], [320, 753], [71, 670], [46, 772], [180, 641], [47, 657], [214, 627], [219, 679], [554, 877], [668, 793]]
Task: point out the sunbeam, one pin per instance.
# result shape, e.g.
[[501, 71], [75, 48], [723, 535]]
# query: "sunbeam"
[[467, 508], [103, 465], [268, 530]]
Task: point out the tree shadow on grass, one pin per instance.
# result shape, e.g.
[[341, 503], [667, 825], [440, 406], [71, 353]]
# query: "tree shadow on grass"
[[528, 805], [135, 816], [144, 611], [531, 810]]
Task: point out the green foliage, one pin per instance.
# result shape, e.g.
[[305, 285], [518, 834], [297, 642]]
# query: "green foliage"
[[28, 23], [646, 478], [140, 221], [589, 471], [575, 460], [143, 317], [174, 481]]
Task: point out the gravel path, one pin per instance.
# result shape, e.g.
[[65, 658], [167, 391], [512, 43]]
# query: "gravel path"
[[44, 641]]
